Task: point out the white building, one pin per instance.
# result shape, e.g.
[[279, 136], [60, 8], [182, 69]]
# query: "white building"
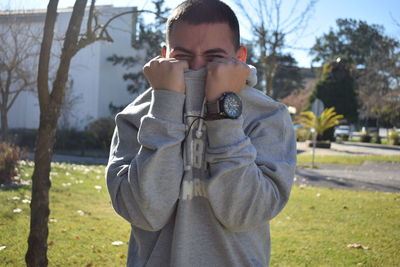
[[96, 82]]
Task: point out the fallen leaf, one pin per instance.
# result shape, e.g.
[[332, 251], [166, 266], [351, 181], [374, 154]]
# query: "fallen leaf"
[[26, 201], [2, 248], [80, 212], [357, 246], [98, 187], [117, 243], [52, 220], [16, 198], [17, 210]]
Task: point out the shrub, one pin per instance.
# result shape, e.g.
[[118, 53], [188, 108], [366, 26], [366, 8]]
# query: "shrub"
[[366, 138], [303, 134], [376, 139], [102, 130], [25, 138], [345, 137], [73, 140], [321, 144], [9, 156], [394, 137], [342, 137]]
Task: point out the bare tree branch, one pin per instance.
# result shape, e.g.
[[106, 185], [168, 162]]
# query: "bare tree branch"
[[271, 30], [45, 50]]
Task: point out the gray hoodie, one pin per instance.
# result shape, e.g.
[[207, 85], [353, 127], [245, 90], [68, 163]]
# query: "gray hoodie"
[[200, 193]]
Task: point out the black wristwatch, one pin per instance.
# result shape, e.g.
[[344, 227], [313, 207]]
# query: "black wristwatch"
[[228, 106]]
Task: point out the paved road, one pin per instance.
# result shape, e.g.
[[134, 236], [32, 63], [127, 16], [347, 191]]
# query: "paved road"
[[373, 176], [350, 148]]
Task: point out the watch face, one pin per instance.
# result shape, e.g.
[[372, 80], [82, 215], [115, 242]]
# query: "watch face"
[[232, 105]]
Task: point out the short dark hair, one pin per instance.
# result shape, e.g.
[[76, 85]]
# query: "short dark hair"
[[196, 12]]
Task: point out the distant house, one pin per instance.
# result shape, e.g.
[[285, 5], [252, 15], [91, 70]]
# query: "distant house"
[[94, 81]]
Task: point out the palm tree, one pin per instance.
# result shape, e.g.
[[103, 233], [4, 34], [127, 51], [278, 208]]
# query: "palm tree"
[[328, 119]]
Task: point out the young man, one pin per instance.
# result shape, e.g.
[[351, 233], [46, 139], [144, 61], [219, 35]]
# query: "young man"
[[198, 180]]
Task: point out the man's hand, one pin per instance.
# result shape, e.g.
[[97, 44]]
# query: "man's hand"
[[225, 75], [166, 73]]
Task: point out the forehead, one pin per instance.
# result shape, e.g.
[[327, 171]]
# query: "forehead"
[[202, 36]]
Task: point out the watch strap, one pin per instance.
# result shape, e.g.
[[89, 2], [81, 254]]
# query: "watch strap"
[[213, 107]]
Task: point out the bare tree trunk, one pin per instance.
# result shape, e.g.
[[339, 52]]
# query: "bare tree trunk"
[[50, 106], [3, 112], [4, 126], [37, 241]]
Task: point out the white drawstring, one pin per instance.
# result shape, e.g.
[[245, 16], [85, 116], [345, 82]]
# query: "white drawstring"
[[199, 131]]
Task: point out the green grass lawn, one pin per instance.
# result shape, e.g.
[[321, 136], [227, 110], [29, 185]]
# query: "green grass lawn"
[[344, 159], [313, 230]]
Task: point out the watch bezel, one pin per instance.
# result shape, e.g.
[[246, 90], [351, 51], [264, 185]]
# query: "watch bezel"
[[221, 103]]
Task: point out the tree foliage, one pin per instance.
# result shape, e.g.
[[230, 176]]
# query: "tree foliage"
[[354, 40], [328, 119], [270, 30], [18, 50], [299, 98], [375, 60], [336, 88], [287, 78], [150, 38], [379, 88]]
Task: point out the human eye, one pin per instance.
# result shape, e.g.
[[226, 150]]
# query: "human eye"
[[182, 56], [214, 56]]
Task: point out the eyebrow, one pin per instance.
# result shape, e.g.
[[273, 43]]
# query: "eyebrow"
[[210, 51]]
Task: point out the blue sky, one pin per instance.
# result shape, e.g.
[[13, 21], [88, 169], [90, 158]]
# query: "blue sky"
[[324, 16]]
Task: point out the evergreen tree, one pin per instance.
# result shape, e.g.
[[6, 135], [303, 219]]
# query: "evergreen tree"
[[336, 88], [287, 78], [376, 60], [150, 38]]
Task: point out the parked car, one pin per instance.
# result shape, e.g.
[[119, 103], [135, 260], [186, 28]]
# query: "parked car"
[[341, 131]]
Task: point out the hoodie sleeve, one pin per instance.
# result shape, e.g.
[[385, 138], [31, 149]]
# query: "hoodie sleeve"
[[145, 167], [251, 174]]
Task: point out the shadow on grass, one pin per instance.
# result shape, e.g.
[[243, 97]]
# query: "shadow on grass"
[[20, 185], [311, 178]]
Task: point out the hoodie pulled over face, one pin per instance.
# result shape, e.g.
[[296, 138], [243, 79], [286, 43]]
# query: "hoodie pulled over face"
[[200, 193]]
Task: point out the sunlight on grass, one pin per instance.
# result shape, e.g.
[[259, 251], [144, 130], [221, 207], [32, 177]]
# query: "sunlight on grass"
[[313, 230], [319, 223], [83, 225], [345, 159]]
